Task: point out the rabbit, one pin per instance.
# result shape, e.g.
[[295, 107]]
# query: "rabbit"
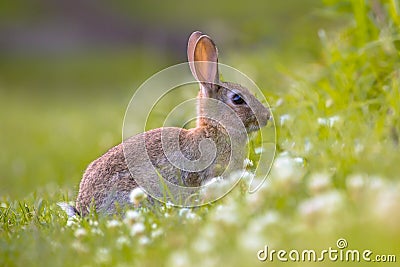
[[108, 181]]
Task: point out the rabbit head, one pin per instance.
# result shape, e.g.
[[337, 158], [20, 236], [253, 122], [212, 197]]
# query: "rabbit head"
[[203, 62]]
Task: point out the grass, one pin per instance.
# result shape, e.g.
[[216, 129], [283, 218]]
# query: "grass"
[[336, 174]]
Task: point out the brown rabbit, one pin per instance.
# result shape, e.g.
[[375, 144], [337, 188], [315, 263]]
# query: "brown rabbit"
[[142, 159]]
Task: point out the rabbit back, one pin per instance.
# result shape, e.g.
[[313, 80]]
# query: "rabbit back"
[[142, 158]]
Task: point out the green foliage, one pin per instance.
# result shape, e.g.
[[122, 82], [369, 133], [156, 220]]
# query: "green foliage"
[[350, 100]]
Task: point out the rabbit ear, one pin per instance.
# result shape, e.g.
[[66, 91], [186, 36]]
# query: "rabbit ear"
[[206, 61], [190, 48], [203, 61]]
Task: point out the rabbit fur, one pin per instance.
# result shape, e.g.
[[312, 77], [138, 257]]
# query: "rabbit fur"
[[108, 181]]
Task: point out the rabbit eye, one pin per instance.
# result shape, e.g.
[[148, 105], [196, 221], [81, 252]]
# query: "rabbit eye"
[[237, 99]]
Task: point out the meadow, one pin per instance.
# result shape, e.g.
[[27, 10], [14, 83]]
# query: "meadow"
[[334, 90]]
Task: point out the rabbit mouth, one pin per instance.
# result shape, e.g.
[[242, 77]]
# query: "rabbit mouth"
[[253, 126]]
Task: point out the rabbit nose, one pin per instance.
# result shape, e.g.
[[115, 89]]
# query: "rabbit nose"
[[268, 111], [264, 117]]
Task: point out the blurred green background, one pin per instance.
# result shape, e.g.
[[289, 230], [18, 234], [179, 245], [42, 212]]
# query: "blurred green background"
[[69, 68]]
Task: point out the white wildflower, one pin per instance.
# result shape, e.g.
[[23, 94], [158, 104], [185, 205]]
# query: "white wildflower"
[[248, 163], [103, 255], [203, 245], [386, 205], [259, 150], [169, 205], [113, 224], [215, 189], [132, 216], [322, 35], [137, 229], [79, 247], [287, 171], [71, 222], [183, 212], [93, 223], [355, 182], [299, 160], [284, 118], [55, 245], [156, 233], [256, 198], [96, 231], [122, 241], [226, 215], [323, 204], [193, 216], [188, 214], [319, 182], [330, 121], [80, 232], [250, 241], [212, 181], [267, 219], [328, 103], [308, 146], [279, 102], [144, 240], [377, 184], [179, 259], [358, 147], [252, 182], [137, 195], [221, 185], [209, 231], [253, 237]]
